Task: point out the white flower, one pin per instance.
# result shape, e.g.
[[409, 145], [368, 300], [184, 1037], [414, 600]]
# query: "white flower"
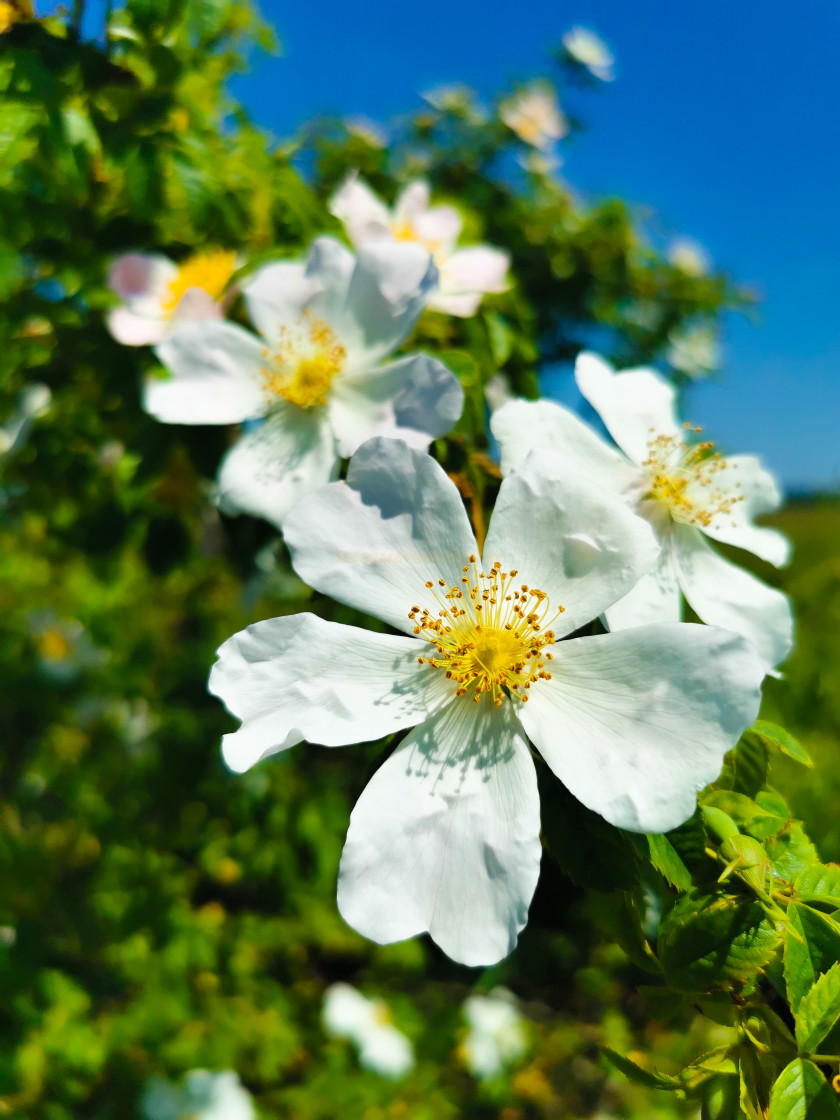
[[689, 257], [366, 1023], [33, 402], [496, 1036], [584, 47], [158, 294], [534, 115], [445, 838], [372, 132], [64, 647], [316, 375], [686, 491], [465, 275], [203, 1096], [694, 351]]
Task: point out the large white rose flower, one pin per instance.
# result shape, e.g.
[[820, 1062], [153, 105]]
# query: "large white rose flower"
[[445, 838], [316, 375], [158, 294], [684, 489], [203, 1096], [383, 1049], [465, 275], [496, 1037]]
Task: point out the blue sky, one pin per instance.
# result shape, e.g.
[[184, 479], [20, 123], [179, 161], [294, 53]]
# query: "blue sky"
[[723, 121]]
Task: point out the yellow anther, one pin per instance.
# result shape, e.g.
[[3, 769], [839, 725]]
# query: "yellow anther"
[[208, 271], [676, 470]]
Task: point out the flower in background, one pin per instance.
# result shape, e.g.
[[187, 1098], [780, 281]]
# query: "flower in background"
[[457, 98], [465, 275], [33, 402], [496, 1037], [373, 133], [535, 116], [317, 376], [203, 1096], [14, 11], [158, 294], [446, 836], [694, 351], [63, 645], [384, 1050], [586, 49], [689, 257], [687, 491]]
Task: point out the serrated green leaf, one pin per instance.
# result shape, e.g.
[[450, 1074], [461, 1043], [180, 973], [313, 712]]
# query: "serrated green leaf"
[[819, 883], [667, 862], [773, 736], [749, 761], [812, 952], [791, 851], [708, 938], [617, 915], [802, 1093], [755, 1074], [652, 1078], [819, 1010]]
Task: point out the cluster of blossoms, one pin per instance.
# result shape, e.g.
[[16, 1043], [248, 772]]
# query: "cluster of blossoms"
[[561, 632]]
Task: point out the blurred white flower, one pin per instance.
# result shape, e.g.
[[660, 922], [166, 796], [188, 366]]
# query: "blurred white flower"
[[317, 377], [202, 1096], [33, 402], [64, 646], [465, 275], [694, 351], [445, 836], [158, 294], [456, 98], [373, 133], [384, 1050], [685, 490], [8, 936], [496, 1036], [535, 116], [588, 50], [497, 391], [689, 257]]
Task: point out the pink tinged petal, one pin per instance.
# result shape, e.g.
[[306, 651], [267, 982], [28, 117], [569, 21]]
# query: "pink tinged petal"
[[574, 541], [479, 268], [520, 426], [635, 405], [725, 595], [276, 296], [745, 479], [299, 677], [135, 330], [272, 467], [445, 837], [415, 399], [412, 202], [375, 540], [138, 276], [196, 304], [635, 723], [216, 369], [655, 598], [364, 214]]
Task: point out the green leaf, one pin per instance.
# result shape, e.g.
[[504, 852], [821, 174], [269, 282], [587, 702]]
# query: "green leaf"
[[749, 860], [664, 858], [651, 1078], [773, 736], [819, 1010], [819, 883], [747, 814], [812, 946], [501, 337], [791, 851], [617, 915], [708, 938], [802, 1093], [748, 764]]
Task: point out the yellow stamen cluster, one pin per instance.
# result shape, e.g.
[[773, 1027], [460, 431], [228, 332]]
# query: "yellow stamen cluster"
[[208, 271], [405, 231], [678, 472], [489, 635], [304, 363]]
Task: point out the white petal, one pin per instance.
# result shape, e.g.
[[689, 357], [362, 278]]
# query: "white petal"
[[520, 426], [364, 214], [635, 405], [196, 304], [345, 1011], [575, 541], [141, 279], [331, 267], [445, 837], [463, 306], [135, 330], [414, 399], [725, 595], [215, 369], [440, 227], [480, 268], [655, 598], [746, 479], [270, 468], [412, 201], [387, 1052], [299, 677], [373, 541], [635, 723], [276, 296]]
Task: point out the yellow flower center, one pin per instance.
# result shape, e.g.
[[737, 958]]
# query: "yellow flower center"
[[208, 271], [489, 635], [54, 646], [305, 363], [405, 231], [679, 473]]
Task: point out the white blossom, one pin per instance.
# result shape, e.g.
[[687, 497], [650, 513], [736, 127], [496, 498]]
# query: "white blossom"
[[586, 49], [33, 402], [464, 274], [445, 838], [316, 374], [535, 116], [685, 489], [202, 1096], [694, 351], [496, 1037], [382, 1049], [689, 257]]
